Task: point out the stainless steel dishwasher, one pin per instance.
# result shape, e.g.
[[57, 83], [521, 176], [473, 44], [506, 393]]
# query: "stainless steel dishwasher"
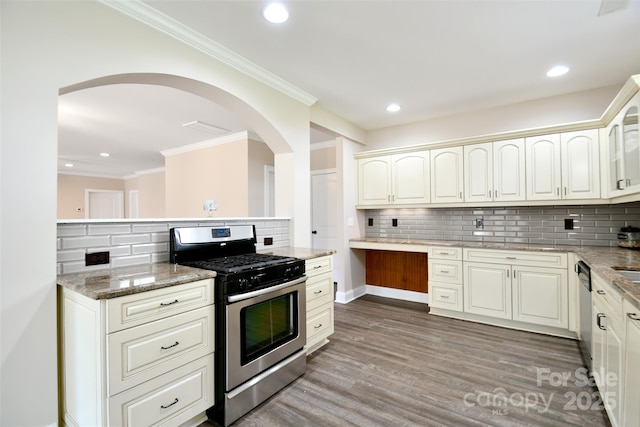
[[584, 291]]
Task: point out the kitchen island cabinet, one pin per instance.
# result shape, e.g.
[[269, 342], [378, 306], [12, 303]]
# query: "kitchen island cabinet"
[[320, 298], [143, 358]]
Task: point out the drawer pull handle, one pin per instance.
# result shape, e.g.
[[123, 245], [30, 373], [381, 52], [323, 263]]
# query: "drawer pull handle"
[[444, 253], [169, 303], [318, 292], [318, 326], [444, 296], [598, 318], [317, 267], [170, 404], [600, 292], [633, 316], [172, 345], [444, 271], [511, 257]]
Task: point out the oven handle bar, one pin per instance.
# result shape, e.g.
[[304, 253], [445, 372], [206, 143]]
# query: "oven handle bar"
[[259, 292]]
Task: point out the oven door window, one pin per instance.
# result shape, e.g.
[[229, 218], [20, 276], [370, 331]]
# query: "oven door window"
[[268, 325]]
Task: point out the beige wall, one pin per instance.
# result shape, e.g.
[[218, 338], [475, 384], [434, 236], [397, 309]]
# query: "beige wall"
[[151, 195], [71, 192], [323, 158], [259, 156]]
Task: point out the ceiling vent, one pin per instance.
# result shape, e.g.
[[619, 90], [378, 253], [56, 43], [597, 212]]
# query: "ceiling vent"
[[205, 127], [610, 6]]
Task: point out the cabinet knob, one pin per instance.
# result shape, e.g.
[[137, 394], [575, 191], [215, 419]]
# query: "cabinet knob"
[[633, 316], [600, 292]]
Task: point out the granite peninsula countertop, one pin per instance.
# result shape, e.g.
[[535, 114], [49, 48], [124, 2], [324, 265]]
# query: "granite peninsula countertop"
[[601, 259], [121, 281]]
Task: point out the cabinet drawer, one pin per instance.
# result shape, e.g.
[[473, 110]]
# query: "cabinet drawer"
[[445, 271], [141, 353], [536, 259], [445, 295], [143, 307], [168, 400], [445, 253], [320, 322], [318, 266], [319, 291]]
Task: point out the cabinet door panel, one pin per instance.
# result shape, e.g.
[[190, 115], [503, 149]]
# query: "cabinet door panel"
[[374, 180], [410, 178], [509, 170], [543, 167], [487, 290], [540, 296], [615, 376], [447, 176], [580, 165], [478, 172]]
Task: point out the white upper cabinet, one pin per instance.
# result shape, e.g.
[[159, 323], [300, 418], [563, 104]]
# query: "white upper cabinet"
[[478, 172], [394, 179], [563, 166], [543, 167], [580, 164], [447, 175], [509, 170], [624, 150], [374, 180], [494, 171], [410, 178]]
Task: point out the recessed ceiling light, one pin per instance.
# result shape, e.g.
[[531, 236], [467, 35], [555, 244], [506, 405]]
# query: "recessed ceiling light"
[[392, 108], [105, 154], [558, 70], [68, 165], [276, 13]]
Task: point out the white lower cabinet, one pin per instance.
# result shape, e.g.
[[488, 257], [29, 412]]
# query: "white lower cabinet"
[[137, 360], [608, 347], [320, 298], [445, 278], [522, 288], [631, 408]]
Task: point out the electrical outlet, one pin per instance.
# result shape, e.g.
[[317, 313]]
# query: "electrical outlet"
[[479, 222], [568, 224], [268, 241], [370, 222], [394, 222], [96, 258]]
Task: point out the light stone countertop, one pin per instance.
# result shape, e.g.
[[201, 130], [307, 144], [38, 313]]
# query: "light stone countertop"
[[601, 259], [300, 253], [121, 281]]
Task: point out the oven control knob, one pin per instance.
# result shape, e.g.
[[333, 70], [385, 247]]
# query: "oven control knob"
[[288, 272], [242, 283], [254, 281]]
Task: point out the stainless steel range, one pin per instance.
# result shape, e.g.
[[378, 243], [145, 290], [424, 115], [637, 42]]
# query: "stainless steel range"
[[260, 320]]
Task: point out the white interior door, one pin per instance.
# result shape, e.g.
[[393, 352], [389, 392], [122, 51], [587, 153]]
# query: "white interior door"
[[324, 213], [104, 204], [133, 204]]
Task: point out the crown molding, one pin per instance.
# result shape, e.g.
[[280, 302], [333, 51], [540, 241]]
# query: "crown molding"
[[167, 25]]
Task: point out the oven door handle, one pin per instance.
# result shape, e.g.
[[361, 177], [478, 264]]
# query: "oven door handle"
[[259, 292]]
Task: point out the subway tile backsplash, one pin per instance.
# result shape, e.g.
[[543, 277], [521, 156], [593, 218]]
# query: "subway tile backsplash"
[[594, 225], [140, 242]]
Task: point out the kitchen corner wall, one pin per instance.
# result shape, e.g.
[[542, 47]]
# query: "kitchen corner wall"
[[594, 225], [143, 242]]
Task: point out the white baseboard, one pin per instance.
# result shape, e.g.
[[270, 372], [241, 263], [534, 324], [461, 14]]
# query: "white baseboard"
[[353, 294], [397, 294]]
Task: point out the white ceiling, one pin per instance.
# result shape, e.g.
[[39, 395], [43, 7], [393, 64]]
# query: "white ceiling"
[[434, 58]]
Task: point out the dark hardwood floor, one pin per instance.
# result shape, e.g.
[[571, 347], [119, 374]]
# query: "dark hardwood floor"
[[389, 363]]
